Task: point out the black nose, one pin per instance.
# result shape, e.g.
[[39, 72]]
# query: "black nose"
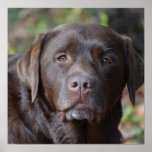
[[81, 84]]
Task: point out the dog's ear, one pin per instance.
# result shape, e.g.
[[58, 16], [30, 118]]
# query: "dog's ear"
[[135, 69], [28, 66]]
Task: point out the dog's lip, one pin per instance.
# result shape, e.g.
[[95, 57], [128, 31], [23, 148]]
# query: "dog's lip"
[[78, 106]]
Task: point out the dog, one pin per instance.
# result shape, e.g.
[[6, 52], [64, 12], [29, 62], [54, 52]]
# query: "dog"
[[67, 88]]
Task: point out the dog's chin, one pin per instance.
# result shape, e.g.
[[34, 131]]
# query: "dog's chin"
[[80, 114]]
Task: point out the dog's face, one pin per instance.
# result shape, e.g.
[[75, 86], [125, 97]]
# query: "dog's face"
[[82, 69]]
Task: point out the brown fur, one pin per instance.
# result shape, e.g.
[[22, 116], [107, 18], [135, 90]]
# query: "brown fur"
[[74, 101]]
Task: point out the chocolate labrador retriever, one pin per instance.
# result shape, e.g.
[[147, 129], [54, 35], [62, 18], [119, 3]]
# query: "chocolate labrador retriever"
[[67, 87]]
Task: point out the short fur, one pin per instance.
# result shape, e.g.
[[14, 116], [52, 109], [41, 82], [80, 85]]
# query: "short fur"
[[76, 100]]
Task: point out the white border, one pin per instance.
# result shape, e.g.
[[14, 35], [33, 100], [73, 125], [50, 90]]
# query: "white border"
[[4, 4]]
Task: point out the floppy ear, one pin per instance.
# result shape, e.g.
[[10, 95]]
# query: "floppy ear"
[[28, 66], [135, 69]]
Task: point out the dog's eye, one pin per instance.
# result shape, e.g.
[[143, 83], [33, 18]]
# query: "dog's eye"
[[106, 61], [62, 58]]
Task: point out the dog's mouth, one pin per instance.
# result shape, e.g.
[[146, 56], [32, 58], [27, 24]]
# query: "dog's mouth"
[[78, 106], [80, 111]]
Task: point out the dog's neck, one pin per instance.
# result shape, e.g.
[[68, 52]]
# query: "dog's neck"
[[103, 132]]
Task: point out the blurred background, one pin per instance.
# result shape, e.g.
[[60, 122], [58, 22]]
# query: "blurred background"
[[25, 24]]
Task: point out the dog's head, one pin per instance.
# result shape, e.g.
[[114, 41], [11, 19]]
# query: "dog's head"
[[82, 69]]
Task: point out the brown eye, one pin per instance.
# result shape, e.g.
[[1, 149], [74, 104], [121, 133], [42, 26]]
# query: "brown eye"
[[62, 58], [106, 61]]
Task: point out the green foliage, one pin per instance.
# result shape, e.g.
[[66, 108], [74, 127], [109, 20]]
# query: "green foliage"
[[103, 19], [127, 114], [11, 50], [136, 123], [28, 23], [40, 27], [13, 15], [129, 117], [138, 135]]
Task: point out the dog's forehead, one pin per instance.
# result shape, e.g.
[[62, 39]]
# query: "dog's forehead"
[[86, 36], [89, 31]]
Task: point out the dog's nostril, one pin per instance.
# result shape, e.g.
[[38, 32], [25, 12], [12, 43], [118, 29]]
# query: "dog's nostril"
[[74, 84], [86, 85]]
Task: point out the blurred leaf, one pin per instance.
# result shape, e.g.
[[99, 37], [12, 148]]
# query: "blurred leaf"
[[136, 131], [88, 10], [77, 11], [136, 118], [71, 17], [138, 135], [103, 19], [39, 28], [13, 15], [127, 114], [11, 50]]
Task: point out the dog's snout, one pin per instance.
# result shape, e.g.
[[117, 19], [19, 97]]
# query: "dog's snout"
[[81, 84]]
